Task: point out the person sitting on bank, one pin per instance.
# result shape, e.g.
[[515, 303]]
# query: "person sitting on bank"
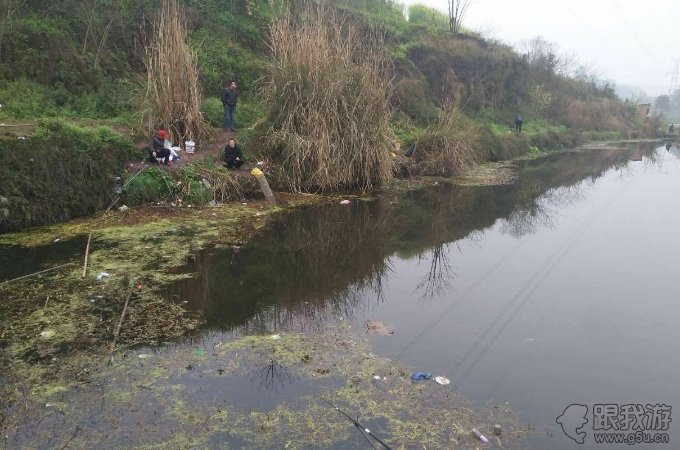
[[157, 150], [233, 157]]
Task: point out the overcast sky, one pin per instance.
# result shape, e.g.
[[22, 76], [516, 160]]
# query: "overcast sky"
[[633, 42]]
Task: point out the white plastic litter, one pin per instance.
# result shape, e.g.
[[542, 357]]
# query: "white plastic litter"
[[442, 380], [276, 337], [345, 202], [189, 146], [103, 275], [47, 334]]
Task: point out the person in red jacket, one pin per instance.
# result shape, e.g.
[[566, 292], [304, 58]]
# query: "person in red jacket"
[[157, 148]]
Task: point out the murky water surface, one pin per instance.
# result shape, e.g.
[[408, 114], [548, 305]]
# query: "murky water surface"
[[560, 289]]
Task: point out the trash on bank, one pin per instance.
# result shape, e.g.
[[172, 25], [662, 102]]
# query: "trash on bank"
[[47, 334], [421, 376], [103, 275], [497, 429], [276, 337], [442, 380], [480, 436], [123, 208], [345, 202]]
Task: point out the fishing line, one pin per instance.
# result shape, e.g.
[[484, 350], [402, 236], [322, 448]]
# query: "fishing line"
[[538, 277], [457, 301]]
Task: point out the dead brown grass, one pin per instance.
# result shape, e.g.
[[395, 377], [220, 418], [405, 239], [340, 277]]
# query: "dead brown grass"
[[173, 94], [449, 146], [329, 103]]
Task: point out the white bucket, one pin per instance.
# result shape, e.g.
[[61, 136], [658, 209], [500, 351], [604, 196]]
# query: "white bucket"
[[189, 146]]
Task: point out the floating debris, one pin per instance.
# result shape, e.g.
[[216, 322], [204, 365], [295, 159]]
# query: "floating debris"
[[421, 376], [378, 328], [480, 436], [442, 380]]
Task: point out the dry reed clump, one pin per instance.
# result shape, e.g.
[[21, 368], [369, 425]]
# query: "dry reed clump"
[[449, 146], [173, 94], [329, 99]]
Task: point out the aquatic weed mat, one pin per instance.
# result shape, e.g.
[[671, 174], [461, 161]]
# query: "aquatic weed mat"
[[258, 392]]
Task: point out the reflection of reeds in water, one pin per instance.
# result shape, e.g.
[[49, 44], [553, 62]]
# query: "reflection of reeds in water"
[[327, 264], [271, 376]]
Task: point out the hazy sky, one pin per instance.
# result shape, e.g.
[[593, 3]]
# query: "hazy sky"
[[633, 42]]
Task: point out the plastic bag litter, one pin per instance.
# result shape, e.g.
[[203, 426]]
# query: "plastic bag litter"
[[421, 376], [103, 275], [345, 202]]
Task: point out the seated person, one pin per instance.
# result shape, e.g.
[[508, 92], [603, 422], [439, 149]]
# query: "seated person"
[[157, 148], [232, 155]]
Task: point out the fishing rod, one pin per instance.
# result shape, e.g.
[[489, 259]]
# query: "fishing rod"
[[364, 431]]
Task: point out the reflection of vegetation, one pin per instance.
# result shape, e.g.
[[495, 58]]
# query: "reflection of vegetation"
[[438, 277], [322, 262]]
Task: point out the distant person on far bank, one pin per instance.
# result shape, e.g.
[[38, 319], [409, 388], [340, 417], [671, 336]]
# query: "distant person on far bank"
[[518, 123], [157, 150], [229, 100], [233, 157]]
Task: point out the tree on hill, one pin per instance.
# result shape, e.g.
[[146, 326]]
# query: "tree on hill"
[[457, 11]]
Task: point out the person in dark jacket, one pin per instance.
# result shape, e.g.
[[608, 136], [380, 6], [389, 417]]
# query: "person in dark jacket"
[[157, 148], [518, 123], [233, 157], [229, 100]]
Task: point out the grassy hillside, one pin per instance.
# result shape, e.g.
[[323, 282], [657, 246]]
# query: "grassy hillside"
[[452, 96], [84, 59]]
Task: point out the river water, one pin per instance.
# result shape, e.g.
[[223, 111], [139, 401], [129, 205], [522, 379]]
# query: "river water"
[[559, 289]]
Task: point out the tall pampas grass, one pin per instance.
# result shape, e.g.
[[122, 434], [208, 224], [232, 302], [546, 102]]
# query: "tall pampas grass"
[[328, 95], [173, 94]]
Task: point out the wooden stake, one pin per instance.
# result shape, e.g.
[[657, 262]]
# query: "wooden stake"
[[120, 322], [87, 253]]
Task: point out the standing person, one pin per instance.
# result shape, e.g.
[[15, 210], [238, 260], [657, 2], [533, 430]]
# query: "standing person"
[[233, 157], [229, 100], [157, 148], [518, 123]]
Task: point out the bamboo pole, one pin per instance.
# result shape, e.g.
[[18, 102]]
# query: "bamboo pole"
[[87, 253]]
